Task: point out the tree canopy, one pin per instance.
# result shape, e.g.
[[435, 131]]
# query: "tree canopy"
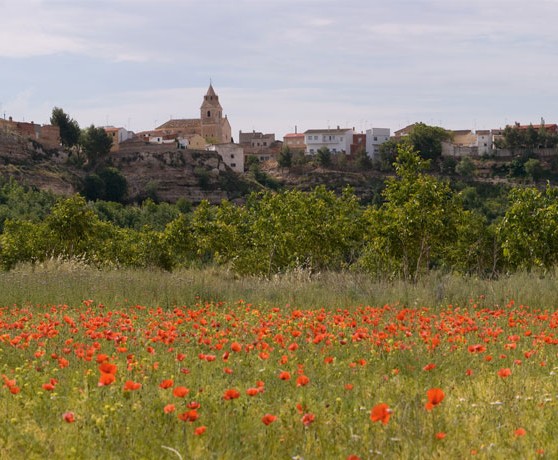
[[69, 128]]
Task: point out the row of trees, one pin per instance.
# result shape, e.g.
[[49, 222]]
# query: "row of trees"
[[94, 142], [421, 225]]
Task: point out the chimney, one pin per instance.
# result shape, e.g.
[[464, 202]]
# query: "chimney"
[[295, 129]]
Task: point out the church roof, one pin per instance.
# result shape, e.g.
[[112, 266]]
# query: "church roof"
[[210, 91], [181, 123]]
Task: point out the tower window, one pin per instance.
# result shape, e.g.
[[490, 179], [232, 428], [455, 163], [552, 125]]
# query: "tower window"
[[209, 113]]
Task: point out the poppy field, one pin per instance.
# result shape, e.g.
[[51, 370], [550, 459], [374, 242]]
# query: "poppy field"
[[240, 380]]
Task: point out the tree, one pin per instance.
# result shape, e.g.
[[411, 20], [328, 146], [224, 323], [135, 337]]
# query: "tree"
[[96, 143], [69, 128], [533, 168], [414, 227], [115, 183], [529, 230], [465, 167], [323, 157], [285, 158], [427, 140]]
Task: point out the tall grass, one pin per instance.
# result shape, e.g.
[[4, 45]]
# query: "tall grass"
[[59, 282]]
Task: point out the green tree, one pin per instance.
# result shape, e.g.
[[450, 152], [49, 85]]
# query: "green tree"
[[529, 229], [533, 168], [411, 231], [115, 184], [69, 128], [285, 158], [427, 140], [96, 144], [465, 167], [93, 187], [323, 157]]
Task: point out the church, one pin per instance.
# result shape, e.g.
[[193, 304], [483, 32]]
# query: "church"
[[212, 125]]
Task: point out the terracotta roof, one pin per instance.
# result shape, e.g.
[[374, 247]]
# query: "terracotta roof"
[[293, 135], [180, 123]]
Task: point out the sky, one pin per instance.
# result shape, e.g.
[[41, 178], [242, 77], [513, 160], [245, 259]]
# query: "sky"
[[281, 65]]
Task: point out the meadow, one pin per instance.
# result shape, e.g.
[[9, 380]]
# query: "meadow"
[[141, 364]]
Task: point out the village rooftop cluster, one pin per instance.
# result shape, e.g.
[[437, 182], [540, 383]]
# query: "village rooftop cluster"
[[212, 131]]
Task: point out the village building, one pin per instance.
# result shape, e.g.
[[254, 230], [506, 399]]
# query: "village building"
[[212, 125], [46, 135], [232, 155], [264, 147], [375, 137], [295, 142], [118, 135], [335, 140]]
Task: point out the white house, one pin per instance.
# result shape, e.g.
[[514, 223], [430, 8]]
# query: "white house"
[[336, 140], [232, 155], [374, 138]]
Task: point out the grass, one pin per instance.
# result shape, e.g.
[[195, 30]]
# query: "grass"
[[359, 342]]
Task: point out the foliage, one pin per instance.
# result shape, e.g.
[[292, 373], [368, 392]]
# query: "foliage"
[[96, 143], [427, 140], [323, 157], [412, 230], [517, 138], [285, 158], [465, 167], [533, 168], [69, 128], [529, 230]]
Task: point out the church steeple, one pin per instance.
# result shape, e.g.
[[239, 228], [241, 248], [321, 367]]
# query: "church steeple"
[[211, 108]]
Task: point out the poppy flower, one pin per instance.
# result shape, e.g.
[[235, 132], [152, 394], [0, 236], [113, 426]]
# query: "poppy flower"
[[349, 386], [285, 375], [169, 408], [505, 372], [302, 380], [131, 385], [227, 370], [429, 367], [231, 394], [268, 419], [353, 457], [180, 392], [308, 419], [68, 417], [435, 396], [166, 384], [108, 368], [200, 430], [252, 391], [440, 435], [189, 416], [193, 405], [380, 413], [101, 358], [48, 386], [14, 390], [106, 379], [236, 347], [520, 432]]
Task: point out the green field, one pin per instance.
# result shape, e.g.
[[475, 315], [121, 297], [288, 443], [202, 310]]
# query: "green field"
[[143, 364]]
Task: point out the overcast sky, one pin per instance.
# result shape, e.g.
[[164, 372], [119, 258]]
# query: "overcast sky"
[[277, 64]]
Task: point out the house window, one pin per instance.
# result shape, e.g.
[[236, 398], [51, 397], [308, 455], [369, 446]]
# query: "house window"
[[375, 138], [340, 139], [233, 165], [232, 155]]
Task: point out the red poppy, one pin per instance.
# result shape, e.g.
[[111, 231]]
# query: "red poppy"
[[131, 385], [231, 394], [380, 413], [520, 432], [68, 417], [505, 372], [48, 386], [285, 375], [302, 380], [166, 384], [169, 408], [227, 370], [252, 391], [440, 435], [268, 419], [193, 405], [308, 419], [101, 358], [349, 386], [435, 396], [200, 430], [106, 379], [180, 392], [236, 347], [108, 368], [353, 457], [429, 367]]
